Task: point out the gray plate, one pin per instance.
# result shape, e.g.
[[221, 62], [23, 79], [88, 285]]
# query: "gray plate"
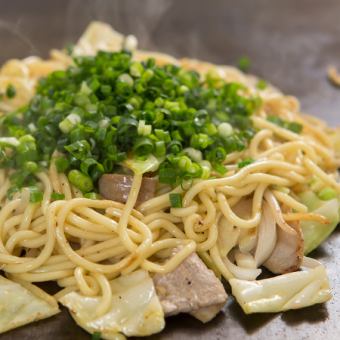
[[290, 43]]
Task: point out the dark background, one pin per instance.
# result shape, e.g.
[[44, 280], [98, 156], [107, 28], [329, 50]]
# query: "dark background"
[[290, 43]]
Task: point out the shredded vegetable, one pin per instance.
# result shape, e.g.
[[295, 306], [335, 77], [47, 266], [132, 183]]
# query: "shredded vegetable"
[[108, 108]]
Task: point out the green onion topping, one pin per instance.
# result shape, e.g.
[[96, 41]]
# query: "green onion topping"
[[107, 108], [96, 336], [245, 162], [35, 195], [261, 84], [55, 196], [292, 126], [91, 195], [11, 91], [80, 180], [175, 200], [244, 64]]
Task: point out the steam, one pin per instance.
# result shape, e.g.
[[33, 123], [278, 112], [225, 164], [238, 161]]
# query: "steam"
[[151, 21], [141, 18], [15, 30]]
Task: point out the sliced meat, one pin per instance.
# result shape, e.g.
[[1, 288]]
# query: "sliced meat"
[[288, 252], [191, 288], [116, 187]]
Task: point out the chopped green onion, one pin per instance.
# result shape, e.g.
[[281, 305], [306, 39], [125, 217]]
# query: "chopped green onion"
[[96, 336], [216, 155], [292, 126], [175, 200], [12, 191], [160, 149], [26, 150], [55, 196], [244, 64], [143, 146], [184, 163], [79, 149], [31, 167], [147, 75], [143, 129], [92, 168], [220, 168], [32, 127], [84, 89], [183, 89], [19, 178], [125, 78], [245, 162], [295, 127], [11, 91], [225, 130], [27, 142], [69, 49], [104, 123], [61, 164], [106, 89], [69, 122], [91, 195], [200, 141], [261, 84], [194, 170], [327, 194], [175, 147], [80, 180], [9, 141], [276, 120], [35, 195], [107, 108], [167, 175], [206, 169], [176, 135], [210, 129], [136, 69], [195, 155]]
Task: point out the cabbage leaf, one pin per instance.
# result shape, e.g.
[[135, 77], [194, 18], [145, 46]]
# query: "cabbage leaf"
[[289, 291], [23, 304], [98, 36], [138, 166], [315, 233], [135, 308]]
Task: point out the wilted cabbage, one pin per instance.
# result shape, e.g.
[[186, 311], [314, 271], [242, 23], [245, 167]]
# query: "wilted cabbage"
[[283, 292], [135, 308]]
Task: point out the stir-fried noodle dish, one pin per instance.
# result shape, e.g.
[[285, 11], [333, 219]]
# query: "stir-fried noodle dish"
[[141, 185]]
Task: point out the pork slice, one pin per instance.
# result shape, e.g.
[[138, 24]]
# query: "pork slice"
[[116, 187], [288, 252], [191, 288]]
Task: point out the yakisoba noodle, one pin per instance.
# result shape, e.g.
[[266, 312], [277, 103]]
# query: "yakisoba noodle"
[[83, 243]]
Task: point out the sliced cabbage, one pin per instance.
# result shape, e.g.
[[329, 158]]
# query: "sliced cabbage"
[[135, 308], [289, 291], [311, 200], [138, 166], [315, 233], [98, 36], [23, 304]]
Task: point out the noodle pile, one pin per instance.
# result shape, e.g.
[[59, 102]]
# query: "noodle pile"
[[83, 243]]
